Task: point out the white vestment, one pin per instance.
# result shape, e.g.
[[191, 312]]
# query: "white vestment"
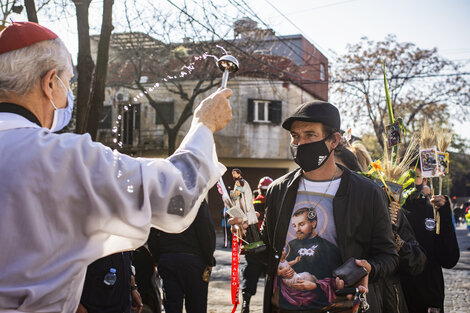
[[66, 201]]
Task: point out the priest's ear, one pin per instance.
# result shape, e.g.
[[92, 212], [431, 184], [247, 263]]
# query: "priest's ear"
[[49, 83]]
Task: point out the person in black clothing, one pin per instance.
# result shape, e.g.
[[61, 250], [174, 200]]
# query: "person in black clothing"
[[146, 278], [412, 256], [350, 208], [426, 290], [185, 261], [100, 296], [254, 268]]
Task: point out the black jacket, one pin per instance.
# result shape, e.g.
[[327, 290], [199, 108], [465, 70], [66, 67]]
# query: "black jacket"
[[441, 250], [412, 262], [362, 223], [198, 239]]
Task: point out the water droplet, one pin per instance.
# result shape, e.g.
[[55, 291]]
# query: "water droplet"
[[120, 144], [126, 108], [119, 173], [145, 92], [130, 189], [114, 140], [141, 94], [115, 129], [119, 117], [180, 188], [135, 99]]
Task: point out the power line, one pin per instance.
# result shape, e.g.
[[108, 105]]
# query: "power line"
[[292, 23], [288, 45], [300, 79]]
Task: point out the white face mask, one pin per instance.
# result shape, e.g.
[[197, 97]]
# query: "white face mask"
[[62, 116]]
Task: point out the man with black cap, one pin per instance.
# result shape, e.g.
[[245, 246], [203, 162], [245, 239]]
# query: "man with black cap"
[[351, 214]]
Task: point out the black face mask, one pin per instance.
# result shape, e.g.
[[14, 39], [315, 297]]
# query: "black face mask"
[[310, 156]]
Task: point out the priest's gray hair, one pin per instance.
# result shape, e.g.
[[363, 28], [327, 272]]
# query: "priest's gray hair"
[[21, 69]]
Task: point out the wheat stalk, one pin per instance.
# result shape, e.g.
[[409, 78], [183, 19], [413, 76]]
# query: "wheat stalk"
[[427, 137], [393, 170], [443, 138]]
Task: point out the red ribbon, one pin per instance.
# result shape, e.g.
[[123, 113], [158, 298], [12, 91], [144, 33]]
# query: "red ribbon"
[[235, 283]]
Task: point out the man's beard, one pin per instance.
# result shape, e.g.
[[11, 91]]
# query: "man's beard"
[[302, 235]]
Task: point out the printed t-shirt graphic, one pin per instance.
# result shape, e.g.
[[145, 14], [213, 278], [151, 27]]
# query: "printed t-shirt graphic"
[[311, 249]]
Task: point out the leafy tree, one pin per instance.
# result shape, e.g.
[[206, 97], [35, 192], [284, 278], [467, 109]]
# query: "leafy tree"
[[423, 85]]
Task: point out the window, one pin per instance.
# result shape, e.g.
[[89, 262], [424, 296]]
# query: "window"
[[322, 72], [130, 123], [167, 110], [260, 111], [264, 111], [105, 117]]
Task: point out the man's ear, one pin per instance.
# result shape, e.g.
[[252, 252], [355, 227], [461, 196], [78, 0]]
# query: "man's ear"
[[48, 83], [335, 139]]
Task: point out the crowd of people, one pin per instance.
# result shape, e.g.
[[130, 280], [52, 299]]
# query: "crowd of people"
[[77, 240]]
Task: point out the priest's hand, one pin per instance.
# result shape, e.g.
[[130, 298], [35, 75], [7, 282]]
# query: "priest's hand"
[[215, 111]]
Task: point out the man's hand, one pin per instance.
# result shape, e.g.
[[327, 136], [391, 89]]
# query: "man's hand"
[[363, 284], [238, 223], [438, 201], [137, 304], [81, 309], [215, 111], [304, 285]]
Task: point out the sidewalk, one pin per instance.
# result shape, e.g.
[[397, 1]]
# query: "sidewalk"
[[457, 279]]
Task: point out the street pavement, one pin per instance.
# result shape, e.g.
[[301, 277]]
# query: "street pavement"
[[457, 281]]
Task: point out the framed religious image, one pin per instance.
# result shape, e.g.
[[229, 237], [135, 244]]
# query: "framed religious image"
[[428, 159], [393, 134], [442, 163], [395, 189]]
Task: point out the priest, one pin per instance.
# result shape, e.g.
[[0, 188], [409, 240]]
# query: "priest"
[[65, 200]]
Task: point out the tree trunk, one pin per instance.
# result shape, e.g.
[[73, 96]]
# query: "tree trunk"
[[85, 65], [99, 81], [172, 134], [31, 11]]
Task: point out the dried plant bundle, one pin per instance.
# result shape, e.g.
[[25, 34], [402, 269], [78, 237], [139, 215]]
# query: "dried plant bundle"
[[394, 170], [427, 137], [443, 138]]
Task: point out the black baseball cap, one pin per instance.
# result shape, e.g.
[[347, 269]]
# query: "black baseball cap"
[[315, 111]]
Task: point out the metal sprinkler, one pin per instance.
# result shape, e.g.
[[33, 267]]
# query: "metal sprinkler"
[[227, 64]]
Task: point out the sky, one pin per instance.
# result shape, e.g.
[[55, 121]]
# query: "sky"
[[332, 24]]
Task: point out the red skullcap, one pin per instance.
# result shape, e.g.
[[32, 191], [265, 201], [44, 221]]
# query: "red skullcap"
[[22, 34]]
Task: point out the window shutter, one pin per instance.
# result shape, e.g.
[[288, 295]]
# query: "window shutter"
[[167, 109], [275, 112], [251, 108]]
